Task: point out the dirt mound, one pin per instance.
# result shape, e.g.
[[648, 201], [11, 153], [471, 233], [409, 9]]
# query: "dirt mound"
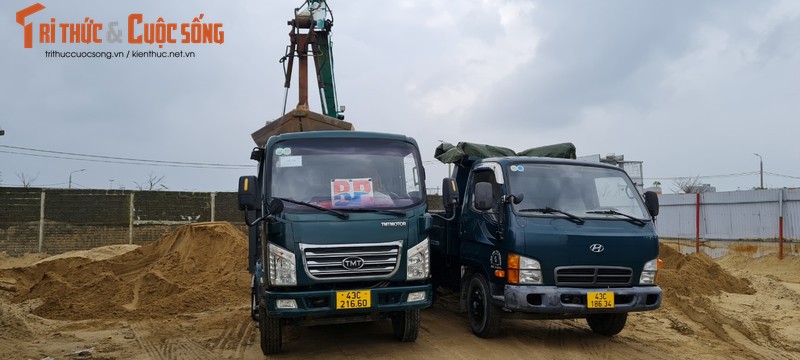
[[96, 254], [13, 323], [7, 261], [786, 269], [194, 268], [694, 275]]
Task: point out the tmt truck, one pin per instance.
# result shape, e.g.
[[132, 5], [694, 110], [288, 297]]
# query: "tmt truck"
[[337, 218], [544, 238], [338, 233]]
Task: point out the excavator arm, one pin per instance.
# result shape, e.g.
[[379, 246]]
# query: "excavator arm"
[[325, 76], [310, 36]]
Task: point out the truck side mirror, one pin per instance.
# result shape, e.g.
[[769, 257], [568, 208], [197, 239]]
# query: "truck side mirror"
[[257, 154], [514, 198], [275, 206], [484, 196], [449, 192], [651, 202], [249, 196]]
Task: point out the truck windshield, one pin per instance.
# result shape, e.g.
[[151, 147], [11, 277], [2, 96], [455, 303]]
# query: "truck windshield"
[[584, 191], [346, 173]]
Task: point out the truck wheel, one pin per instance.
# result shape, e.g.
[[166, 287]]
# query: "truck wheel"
[[270, 329], [607, 324], [254, 301], [484, 318], [406, 325]]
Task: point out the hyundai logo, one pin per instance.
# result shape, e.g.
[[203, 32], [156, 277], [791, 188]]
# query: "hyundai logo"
[[597, 248], [353, 263]]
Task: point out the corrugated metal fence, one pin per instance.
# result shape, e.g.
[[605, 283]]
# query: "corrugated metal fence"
[[735, 215]]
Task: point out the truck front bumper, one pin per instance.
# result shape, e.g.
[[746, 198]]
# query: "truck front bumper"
[[567, 301], [322, 303]]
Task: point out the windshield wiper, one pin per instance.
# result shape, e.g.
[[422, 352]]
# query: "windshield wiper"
[[379, 211], [549, 210], [633, 219], [338, 214]]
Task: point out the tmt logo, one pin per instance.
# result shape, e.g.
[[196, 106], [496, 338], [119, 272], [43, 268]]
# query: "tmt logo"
[[21, 15], [353, 263]]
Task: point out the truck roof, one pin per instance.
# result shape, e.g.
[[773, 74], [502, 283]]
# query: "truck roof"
[[339, 134], [504, 160]]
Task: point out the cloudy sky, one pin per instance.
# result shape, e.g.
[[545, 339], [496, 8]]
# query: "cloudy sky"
[[691, 88]]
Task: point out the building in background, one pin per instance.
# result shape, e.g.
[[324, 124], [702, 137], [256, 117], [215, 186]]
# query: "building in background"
[[633, 168]]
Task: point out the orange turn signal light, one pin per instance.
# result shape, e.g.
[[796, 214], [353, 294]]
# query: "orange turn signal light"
[[500, 273], [513, 269]]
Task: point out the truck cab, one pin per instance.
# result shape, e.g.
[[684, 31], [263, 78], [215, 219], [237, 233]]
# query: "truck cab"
[[339, 228], [546, 239]]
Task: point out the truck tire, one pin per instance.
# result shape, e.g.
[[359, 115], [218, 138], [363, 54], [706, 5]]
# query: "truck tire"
[[406, 325], [270, 329], [484, 317], [607, 324]]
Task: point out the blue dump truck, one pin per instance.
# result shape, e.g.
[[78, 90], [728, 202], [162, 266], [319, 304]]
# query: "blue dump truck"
[[540, 235], [338, 231]]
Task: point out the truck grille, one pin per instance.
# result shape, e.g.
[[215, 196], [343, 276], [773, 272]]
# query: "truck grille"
[[351, 261], [593, 276]]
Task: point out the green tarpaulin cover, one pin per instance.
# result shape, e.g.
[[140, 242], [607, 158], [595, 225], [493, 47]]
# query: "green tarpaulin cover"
[[448, 153]]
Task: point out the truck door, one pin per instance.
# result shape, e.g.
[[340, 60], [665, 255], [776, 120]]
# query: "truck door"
[[481, 230]]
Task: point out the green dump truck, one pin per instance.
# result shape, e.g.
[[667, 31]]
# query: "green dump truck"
[[339, 228], [540, 235]]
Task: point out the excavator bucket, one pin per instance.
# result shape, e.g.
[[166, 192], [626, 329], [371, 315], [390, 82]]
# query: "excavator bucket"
[[299, 120]]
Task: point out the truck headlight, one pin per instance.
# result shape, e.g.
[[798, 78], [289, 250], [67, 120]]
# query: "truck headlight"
[[282, 270], [649, 272], [418, 261], [523, 270]]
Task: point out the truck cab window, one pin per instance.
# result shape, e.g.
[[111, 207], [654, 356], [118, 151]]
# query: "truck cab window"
[[337, 173], [582, 191]]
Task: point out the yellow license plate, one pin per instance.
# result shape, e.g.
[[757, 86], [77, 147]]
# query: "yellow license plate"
[[600, 300], [358, 299]]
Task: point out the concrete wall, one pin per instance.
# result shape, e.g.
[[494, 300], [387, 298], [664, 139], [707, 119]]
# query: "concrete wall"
[[59, 220]]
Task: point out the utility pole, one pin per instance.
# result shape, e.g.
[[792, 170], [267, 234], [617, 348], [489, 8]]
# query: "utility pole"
[[761, 168], [70, 176]]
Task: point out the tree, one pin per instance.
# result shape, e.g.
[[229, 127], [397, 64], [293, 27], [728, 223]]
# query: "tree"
[[152, 183], [26, 180], [690, 185]]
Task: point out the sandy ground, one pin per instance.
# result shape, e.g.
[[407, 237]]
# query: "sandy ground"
[[186, 297]]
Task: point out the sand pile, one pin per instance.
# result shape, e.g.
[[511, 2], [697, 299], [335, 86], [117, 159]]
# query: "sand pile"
[[96, 254], [695, 275], [194, 268], [786, 269], [12, 323], [7, 261]]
